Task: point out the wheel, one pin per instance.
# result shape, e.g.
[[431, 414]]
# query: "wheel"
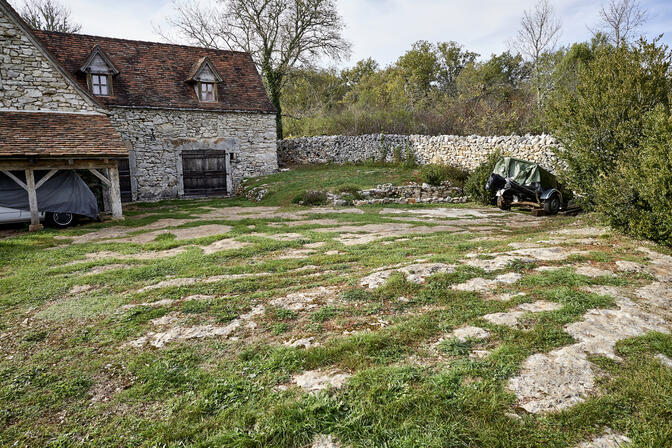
[[503, 204], [60, 220], [552, 205]]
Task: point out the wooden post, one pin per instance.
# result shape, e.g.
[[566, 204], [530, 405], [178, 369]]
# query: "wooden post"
[[115, 193], [229, 178], [32, 201]]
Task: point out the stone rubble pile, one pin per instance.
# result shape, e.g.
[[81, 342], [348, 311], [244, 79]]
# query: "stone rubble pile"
[[463, 151], [411, 193]]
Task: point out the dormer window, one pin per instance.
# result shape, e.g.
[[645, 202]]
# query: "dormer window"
[[99, 72], [100, 85], [205, 80], [207, 92]]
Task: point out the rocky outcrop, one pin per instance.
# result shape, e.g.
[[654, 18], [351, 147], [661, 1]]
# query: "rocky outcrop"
[[463, 151]]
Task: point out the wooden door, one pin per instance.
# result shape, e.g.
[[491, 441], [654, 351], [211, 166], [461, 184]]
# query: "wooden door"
[[204, 173]]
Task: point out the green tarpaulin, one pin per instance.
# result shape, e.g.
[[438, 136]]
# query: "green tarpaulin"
[[525, 173]]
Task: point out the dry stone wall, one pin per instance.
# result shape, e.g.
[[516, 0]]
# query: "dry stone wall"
[[28, 79], [464, 151], [155, 139]]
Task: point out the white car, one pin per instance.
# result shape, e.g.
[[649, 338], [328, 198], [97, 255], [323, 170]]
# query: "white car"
[[59, 220]]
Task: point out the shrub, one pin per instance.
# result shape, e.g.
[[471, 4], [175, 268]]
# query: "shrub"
[[637, 196], [600, 117], [350, 190], [311, 198], [434, 174], [474, 187]]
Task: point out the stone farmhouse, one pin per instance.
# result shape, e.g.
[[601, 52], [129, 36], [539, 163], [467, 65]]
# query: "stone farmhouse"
[[192, 122]]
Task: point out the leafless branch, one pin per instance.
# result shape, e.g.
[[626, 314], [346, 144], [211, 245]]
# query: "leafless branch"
[[48, 15]]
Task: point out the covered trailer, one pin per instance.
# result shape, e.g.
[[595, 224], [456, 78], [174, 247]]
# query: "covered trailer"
[[521, 183]]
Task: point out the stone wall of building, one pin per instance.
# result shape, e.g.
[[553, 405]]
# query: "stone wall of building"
[[464, 151], [29, 80], [155, 139]]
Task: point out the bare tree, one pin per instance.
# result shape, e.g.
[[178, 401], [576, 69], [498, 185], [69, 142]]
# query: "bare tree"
[[48, 15], [279, 34], [620, 19], [538, 36]]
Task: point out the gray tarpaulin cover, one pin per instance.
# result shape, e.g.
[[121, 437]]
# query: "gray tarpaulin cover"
[[65, 192]]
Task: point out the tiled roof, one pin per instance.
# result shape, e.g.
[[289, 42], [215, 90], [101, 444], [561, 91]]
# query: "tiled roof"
[[155, 75], [27, 134]]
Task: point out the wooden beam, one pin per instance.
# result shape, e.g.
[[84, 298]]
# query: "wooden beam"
[[32, 201], [102, 178], [56, 164], [229, 177], [115, 193], [45, 178], [15, 179]]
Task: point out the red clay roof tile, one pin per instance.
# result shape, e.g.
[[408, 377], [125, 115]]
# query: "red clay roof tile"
[[154, 74], [27, 134]]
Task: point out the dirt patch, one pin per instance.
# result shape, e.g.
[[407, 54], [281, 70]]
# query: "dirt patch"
[[108, 267], [81, 289], [314, 381], [415, 273], [511, 318]]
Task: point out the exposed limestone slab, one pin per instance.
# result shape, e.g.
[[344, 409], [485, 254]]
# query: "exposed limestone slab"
[[478, 354], [325, 441], [505, 297], [180, 234], [167, 302], [279, 236], [484, 285], [188, 281], [546, 253], [146, 255], [444, 212], [660, 265], [305, 300], [314, 381], [553, 381], [564, 377], [470, 332], [415, 273], [302, 343], [225, 244], [295, 254], [629, 266], [496, 263], [609, 439], [592, 271], [658, 294], [664, 360], [512, 317], [352, 235], [581, 231], [160, 339]]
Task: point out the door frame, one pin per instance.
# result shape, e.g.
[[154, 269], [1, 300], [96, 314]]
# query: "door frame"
[[228, 144]]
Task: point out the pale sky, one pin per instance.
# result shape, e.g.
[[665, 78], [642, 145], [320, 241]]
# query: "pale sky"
[[384, 29]]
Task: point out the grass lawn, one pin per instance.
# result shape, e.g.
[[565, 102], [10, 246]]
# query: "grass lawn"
[[227, 323]]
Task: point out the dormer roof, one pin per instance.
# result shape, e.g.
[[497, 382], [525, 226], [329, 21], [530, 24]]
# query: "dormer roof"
[[204, 71], [99, 63]]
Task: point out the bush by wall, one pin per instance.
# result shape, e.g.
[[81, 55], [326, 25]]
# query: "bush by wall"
[[474, 187], [637, 197]]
